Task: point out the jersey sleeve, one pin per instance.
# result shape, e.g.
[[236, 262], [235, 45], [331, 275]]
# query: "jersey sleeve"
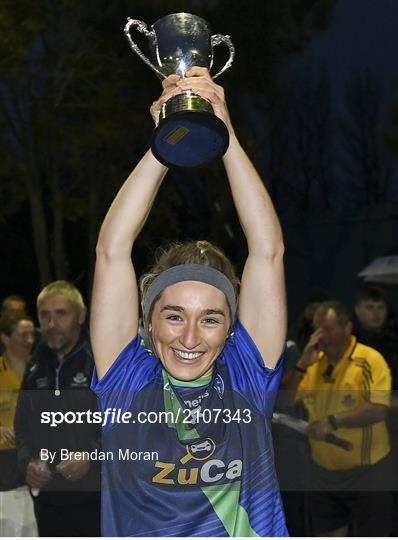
[[379, 381], [250, 377], [134, 368]]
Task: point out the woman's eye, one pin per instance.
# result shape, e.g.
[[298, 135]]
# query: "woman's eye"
[[211, 321], [173, 318]]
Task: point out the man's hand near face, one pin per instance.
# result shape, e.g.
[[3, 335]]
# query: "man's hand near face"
[[311, 350], [292, 379]]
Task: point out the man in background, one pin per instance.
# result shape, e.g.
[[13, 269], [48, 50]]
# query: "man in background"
[[345, 387], [375, 325], [302, 328], [67, 501]]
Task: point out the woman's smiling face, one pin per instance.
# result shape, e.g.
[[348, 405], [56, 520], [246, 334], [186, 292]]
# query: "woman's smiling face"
[[189, 326]]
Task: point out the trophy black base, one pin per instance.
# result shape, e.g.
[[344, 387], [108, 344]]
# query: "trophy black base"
[[188, 139]]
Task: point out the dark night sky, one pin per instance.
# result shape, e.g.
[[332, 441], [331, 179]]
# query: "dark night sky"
[[362, 36]]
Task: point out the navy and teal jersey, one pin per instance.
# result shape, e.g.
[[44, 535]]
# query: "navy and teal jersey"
[[204, 469]]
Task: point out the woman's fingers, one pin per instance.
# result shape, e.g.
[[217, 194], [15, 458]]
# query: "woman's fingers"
[[170, 81], [199, 82], [169, 90], [167, 94], [203, 87], [197, 71], [158, 104]]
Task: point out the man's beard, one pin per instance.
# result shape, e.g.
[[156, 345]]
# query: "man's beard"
[[57, 343]]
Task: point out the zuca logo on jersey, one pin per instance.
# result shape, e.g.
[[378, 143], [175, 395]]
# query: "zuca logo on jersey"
[[208, 472]]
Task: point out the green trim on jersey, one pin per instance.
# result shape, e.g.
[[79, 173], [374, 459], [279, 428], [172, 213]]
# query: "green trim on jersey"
[[225, 502], [223, 498], [175, 420], [202, 381]]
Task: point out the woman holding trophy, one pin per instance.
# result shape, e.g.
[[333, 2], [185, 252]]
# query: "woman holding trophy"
[[194, 457]]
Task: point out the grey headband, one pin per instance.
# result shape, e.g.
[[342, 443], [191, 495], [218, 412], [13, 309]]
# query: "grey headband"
[[189, 272]]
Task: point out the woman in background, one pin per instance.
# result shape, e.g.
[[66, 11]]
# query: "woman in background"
[[16, 508]]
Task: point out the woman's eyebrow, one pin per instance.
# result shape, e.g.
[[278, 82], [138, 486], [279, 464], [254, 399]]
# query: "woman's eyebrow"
[[210, 311], [171, 308], [213, 311]]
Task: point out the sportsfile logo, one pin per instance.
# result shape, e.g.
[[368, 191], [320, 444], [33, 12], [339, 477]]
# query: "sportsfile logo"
[[204, 469]]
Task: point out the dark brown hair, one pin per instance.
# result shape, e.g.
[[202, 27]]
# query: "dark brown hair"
[[12, 298], [8, 323], [343, 314], [370, 293], [195, 252]]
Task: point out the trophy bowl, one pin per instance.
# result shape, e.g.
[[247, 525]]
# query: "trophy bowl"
[[188, 134]]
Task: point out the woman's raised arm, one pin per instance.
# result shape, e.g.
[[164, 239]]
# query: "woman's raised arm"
[[115, 302], [262, 303]]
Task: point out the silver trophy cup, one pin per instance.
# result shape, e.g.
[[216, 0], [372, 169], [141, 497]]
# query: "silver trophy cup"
[[188, 134]]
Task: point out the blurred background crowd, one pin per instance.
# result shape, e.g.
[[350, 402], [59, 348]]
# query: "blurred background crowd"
[[313, 95]]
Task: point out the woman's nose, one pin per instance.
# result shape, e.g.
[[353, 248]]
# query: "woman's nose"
[[190, 337]]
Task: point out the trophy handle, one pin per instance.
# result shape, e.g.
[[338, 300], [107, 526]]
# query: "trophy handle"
[[141, 27], [217, 39]]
